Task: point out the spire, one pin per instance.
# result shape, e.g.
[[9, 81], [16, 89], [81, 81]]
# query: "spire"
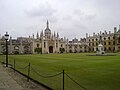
[[57, 35], [47, 24], [37, 35]]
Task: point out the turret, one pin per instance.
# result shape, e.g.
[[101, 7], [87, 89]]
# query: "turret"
[[37, 35], [86, 35], [115, 29], [57, 35], [47, 30]]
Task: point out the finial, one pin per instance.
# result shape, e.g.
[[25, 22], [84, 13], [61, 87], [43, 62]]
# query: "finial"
[[47, 24]]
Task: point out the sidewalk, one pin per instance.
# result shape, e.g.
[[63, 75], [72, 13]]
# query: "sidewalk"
[[6, 81]]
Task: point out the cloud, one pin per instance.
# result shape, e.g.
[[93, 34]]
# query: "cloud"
[[84, 16], [90, 17], [42, 10]]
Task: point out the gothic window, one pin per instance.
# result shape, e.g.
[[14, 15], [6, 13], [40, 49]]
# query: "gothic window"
[[109, 43], [26, 49], [44, 44], [56, 44], [93, 44], [37, 45], [61, 45], [109, 38], [104, 38], [89, 40]]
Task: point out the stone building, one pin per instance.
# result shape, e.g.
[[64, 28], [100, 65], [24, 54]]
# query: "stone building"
[[110, 41], [50, 42], [47, 42], [76, 46]]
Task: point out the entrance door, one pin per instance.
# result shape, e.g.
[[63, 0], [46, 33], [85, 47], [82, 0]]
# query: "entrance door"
[[51, 49]]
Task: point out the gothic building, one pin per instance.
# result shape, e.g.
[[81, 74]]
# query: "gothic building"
[[50, 42], [47, 42]]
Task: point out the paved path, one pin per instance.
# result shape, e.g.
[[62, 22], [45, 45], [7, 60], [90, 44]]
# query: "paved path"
[[6, 81]]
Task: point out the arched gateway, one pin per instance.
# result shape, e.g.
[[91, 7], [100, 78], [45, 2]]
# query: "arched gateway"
[[50, 49]]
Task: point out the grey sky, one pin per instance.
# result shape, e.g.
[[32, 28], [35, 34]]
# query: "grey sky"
[[71, 18]]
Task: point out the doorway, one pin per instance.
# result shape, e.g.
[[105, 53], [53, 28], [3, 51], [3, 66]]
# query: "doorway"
[[51, 49]]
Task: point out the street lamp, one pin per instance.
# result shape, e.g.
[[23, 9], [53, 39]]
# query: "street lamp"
[[6, 38]]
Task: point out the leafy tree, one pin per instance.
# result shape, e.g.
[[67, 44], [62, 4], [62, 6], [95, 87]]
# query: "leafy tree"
[[62, 50], [38, 50]]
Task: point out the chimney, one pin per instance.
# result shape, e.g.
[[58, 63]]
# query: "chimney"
[[86, 35], [109, 32], [105, 32]]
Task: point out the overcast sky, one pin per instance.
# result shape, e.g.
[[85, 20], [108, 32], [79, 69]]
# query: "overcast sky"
[[70, 18]]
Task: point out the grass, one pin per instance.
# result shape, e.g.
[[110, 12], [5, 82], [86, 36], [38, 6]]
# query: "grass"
[[93, 72]]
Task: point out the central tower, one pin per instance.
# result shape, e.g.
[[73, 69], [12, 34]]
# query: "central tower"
[[47, 31]]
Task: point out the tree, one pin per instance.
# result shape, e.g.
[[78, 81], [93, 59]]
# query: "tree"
[[38, 50], [62, 50]]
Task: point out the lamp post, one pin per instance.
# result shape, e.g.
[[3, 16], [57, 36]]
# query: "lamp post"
[[6, 38]]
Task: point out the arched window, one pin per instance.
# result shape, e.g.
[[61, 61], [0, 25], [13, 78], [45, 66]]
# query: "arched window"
[[38, 45]]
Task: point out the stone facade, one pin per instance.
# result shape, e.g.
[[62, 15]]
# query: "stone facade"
[[48, 42], [110, 41]]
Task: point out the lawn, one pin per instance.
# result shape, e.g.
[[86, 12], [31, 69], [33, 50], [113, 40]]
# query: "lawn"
[[92, 72]]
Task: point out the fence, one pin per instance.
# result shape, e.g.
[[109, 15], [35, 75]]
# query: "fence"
[[30, 68]]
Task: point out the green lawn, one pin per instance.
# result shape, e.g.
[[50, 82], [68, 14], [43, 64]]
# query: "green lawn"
[[92, 72]]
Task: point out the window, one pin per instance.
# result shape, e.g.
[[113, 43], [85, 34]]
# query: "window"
[[96, 39], [119, 40], [56, 44], [75, 46], [89, 44], [109, 43], [44, 44], [113, 37], [96, 44], [104, 43], [61, 45], [89, 40], [104, 38], [109, 48], [92, 39], [93, 44], [105, 49], [109, 38], [37, 45], [113, 42], [113, 48]]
